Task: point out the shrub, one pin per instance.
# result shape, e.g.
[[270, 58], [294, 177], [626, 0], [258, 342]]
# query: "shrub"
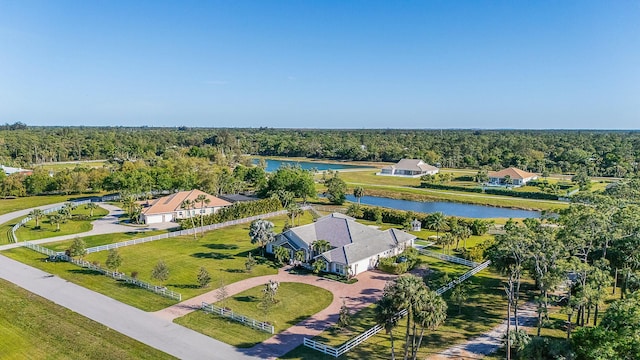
[[450, 187], [236, 211]]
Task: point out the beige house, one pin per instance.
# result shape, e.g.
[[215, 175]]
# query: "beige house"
[[409, 168], [169, 208], [510, 177], [354, 247]]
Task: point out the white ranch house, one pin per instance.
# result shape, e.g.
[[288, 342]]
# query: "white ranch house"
[[169, 208], [517, 177], [409, 168], [355, 248]]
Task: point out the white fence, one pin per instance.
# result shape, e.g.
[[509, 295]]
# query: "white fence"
[[210, 308], [184, 232], [15, 227], [449, 258], [352, 343], [161, 290]]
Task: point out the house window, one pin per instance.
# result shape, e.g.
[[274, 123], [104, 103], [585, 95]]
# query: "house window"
[[180, 213], [202, 211]]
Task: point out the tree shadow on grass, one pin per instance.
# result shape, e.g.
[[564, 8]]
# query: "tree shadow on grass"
[[84, 272], [246, 298], [221, 246], [212, 255], [184, 286], [235, 271]]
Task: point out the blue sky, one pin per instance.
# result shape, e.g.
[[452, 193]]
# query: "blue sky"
[[331, 64]]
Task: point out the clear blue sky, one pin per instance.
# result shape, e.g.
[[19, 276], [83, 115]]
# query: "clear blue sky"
[[335, 64]]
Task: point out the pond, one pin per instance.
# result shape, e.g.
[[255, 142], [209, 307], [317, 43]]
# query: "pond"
[[447, 208], [273, 165]]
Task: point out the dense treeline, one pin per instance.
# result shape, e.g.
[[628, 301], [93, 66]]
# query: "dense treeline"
[[598, 153]]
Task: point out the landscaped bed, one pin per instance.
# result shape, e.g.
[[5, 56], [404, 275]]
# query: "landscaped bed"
[[35, 328], [79, 223], [295, 302]]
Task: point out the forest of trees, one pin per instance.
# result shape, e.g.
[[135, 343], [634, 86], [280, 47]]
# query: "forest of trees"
[[598, 153]]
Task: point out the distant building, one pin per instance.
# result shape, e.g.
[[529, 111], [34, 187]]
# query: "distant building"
[[169, 208], [409, 168], [13, 170], [510, 177], [354, 247]]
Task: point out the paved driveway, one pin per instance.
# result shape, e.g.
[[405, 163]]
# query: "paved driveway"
[[145, 327]]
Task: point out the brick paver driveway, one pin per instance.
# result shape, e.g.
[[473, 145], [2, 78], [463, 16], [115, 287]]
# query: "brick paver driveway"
[[365, 292]]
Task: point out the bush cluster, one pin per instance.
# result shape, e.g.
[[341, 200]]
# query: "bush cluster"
[[236, 211]]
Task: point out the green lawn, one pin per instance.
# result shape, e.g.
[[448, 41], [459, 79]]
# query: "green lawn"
[[296, 302], [32, 327], [79, 223], [11, 205], [485, 309], [74, 164], [222, 252], [104, 239]]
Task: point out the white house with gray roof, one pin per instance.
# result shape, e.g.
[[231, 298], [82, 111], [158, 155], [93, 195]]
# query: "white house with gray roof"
[[355, 247], [409, 168]]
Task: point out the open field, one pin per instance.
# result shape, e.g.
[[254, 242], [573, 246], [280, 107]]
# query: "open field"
[[32, 327], [11, 205], [222, 252], [79, 223], [296, 302], [104, 239], [484, 310], [73, 164]]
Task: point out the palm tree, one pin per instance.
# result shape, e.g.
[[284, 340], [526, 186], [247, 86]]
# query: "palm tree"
[[358, 192], [66, 210], [261, 232], [437, 222], [386, 314], [404, 293], [300, 256], [295, 211], [127, 201], [56, 219], [282, 254], [430, 313], [91, 206], [187, 205], [203, 200], [36, 214], [320, 246], [319, 265], [447, 240]]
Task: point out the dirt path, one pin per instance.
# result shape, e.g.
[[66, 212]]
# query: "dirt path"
[[489, 342], [365, 292]]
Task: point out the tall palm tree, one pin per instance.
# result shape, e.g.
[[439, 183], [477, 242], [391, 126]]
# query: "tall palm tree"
[[430, 313], [203, 200], [386, 314], [447, 240], [56, 219], [358, 192], [437, 222], [36, 214], [188, 205], [405, 291]]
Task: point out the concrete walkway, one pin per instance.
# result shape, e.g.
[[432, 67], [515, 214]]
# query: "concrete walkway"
[[365, 292], [147, 328], [108, 224], [491, 341]]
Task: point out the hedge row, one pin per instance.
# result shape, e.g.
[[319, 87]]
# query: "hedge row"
[[237, 211], [451, 187]]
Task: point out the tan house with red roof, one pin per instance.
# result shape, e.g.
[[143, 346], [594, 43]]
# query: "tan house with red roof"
[[510, 177], [169, 208]]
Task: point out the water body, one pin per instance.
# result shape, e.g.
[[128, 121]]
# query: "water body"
[[273, 165], [447, 208]]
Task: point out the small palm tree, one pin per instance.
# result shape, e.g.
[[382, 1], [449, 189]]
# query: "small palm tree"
[[320, 246], [187, 205], [300, 256], [358, 192], [56, 219], [282, 254], [91, 206], [203, 200], [437, 222], [36, 214]]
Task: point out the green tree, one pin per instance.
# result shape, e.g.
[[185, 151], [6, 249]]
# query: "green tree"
[[56, 219], [358, 193], [78, 248], [320, 246], [386, 314], [281, 254], [91, 206], [430, 312], [114, 260], [460, 295], [336, 190], [36, 214], [250, 263], [204, 278], [319, 265], [160, 272], [203, 200], [437, 222], [187, 205], [344, 316], [261, 233]]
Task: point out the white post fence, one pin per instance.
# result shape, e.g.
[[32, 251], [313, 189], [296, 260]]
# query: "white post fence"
[[449, 258], [353, 342], [260, 325], [161, 290]]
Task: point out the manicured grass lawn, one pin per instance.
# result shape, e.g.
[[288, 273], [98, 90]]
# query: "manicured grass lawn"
[[73, 165], [296, 302], [484, 309], [11, 205], [222, 252], [105, 285], [73, 226], [32, 327], [103, 239]]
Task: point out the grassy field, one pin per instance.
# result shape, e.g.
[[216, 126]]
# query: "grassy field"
[[484, 309], [296, 302], [79, 223], [32, 327], [222, 252], [73, 165], [104, 239], [11, 205]]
